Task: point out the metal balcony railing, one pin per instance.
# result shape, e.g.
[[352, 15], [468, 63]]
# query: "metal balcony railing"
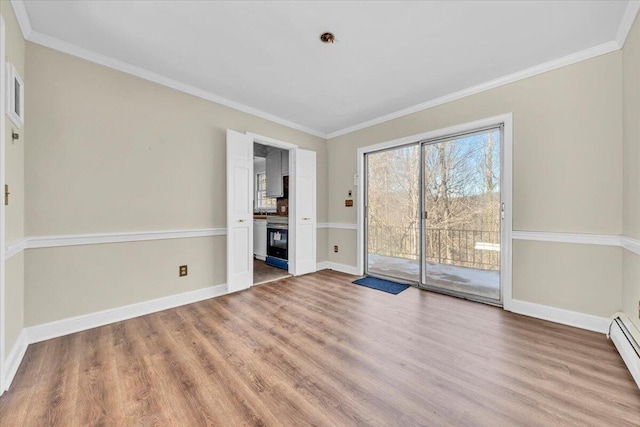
[[460, 247]]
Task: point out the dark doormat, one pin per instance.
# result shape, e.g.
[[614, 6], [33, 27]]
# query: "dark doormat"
[[381, 285]]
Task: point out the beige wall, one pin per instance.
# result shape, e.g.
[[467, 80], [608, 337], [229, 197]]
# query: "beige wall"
[[109, 152], [567, 167], [75, 280], [576, 277], [14, 162], [631, 186], [346, 242]]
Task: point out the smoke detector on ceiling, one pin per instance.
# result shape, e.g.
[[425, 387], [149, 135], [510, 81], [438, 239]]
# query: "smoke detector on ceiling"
[[327, 37]]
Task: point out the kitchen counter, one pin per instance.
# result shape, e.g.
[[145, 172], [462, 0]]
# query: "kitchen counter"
[[277, 219]]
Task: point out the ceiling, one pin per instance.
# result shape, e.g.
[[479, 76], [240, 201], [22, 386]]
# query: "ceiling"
[[266, 56]]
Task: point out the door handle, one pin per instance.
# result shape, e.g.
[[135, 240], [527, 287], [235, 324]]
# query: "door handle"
[[241, 220], [306, 219]]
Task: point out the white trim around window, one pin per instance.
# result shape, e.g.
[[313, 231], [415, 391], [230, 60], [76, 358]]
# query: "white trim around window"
[[507, 187]]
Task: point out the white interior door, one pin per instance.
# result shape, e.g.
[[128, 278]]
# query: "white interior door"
[[3, 303], [305, 211], [239, 211]]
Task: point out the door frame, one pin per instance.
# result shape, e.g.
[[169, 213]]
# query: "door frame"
[[507, 190], [292, 148], [3, 124]]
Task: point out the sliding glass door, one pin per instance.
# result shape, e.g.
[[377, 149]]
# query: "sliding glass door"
[[393, 213], [433, 214], [462, 215]]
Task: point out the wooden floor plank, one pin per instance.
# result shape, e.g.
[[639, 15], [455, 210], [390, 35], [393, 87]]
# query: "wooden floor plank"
[[318, 350]]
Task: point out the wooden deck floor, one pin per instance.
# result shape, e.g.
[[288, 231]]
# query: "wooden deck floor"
[[318, 350]]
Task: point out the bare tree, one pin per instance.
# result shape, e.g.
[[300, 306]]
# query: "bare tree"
[[461, 196]]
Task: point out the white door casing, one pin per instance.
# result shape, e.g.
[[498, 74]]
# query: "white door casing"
[[3, 302], [304, 186], [239, 211]]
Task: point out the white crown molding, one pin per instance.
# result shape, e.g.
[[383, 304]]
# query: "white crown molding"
[[590, 239], [559, 315], [71, 325], [630, 244], [22, 17], [573, 58], [627, 21], [72, 49], [107, 61], [15, 358]]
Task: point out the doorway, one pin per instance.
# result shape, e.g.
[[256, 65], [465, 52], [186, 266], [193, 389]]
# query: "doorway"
[[300, 232], [434, 212], [270, 214]]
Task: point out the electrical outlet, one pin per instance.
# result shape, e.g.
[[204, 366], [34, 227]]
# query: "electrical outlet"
[[183, 270], [335, 248], [350, 193]]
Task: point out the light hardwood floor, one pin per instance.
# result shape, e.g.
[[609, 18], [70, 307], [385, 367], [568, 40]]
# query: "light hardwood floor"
[[262, 272], [318, 350]]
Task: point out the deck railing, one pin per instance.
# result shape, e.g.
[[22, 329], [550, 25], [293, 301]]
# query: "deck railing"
[[461, 247]]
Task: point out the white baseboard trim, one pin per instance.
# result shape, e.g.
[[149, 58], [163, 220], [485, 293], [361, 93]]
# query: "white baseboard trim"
[[322, 265], [343, 268], [559, 315], [15, 358], [71, 325]]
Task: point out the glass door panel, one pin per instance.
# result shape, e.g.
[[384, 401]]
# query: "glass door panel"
[[392, 203], [461, 196]]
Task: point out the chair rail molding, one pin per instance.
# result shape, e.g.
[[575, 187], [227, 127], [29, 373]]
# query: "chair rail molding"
[[583, 238]]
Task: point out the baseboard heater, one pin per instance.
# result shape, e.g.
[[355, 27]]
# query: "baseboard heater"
[[626, 338]]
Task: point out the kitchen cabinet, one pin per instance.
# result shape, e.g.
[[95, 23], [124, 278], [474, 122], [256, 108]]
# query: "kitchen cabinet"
[[285, 162], [277, 167], [260, 238], [274, 172]]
